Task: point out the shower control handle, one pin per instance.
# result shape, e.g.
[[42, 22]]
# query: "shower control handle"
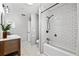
[[55, 35]]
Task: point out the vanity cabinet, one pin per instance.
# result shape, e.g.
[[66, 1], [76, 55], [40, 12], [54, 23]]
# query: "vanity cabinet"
[[10, 47]]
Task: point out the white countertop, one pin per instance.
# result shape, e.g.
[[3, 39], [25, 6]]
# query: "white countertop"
[[9, 37]]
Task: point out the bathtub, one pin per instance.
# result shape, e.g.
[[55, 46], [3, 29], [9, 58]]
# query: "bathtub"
[[53, 51]]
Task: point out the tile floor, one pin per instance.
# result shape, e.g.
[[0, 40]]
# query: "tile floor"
[[30, 50]]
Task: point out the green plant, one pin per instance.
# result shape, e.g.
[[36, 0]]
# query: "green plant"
[[5, 28]]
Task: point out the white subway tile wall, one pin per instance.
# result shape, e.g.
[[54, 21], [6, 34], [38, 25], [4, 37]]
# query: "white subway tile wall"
[[64, 24]]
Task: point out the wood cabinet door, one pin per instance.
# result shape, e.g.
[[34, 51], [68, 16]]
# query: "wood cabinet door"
[[11, 46]]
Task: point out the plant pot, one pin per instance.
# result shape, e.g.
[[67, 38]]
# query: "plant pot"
[[4, 35]]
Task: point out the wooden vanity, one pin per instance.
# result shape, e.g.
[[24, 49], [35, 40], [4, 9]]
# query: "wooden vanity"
[[10, 46]]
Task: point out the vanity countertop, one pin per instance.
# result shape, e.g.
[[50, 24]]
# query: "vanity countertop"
[[9, 37]]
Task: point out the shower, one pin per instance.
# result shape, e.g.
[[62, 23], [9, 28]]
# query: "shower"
[[59, 27]]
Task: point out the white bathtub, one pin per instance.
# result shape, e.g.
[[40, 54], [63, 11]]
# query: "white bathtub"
[[53, 51]]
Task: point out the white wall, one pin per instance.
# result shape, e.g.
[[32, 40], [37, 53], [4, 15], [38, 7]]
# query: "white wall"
[[0, 26], [64, 24], [77, 48], [1, 9], [20, 23]]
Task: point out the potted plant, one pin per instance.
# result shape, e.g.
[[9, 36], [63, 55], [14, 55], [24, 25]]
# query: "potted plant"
[[5, 29]]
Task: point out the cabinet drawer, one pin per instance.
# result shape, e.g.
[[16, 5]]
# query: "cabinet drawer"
[[11, 46]]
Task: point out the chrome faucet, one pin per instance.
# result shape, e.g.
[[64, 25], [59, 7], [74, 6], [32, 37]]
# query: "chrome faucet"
[[47, 40]]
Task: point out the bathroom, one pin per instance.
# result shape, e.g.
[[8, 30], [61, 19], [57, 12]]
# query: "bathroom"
[[46, 29]]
